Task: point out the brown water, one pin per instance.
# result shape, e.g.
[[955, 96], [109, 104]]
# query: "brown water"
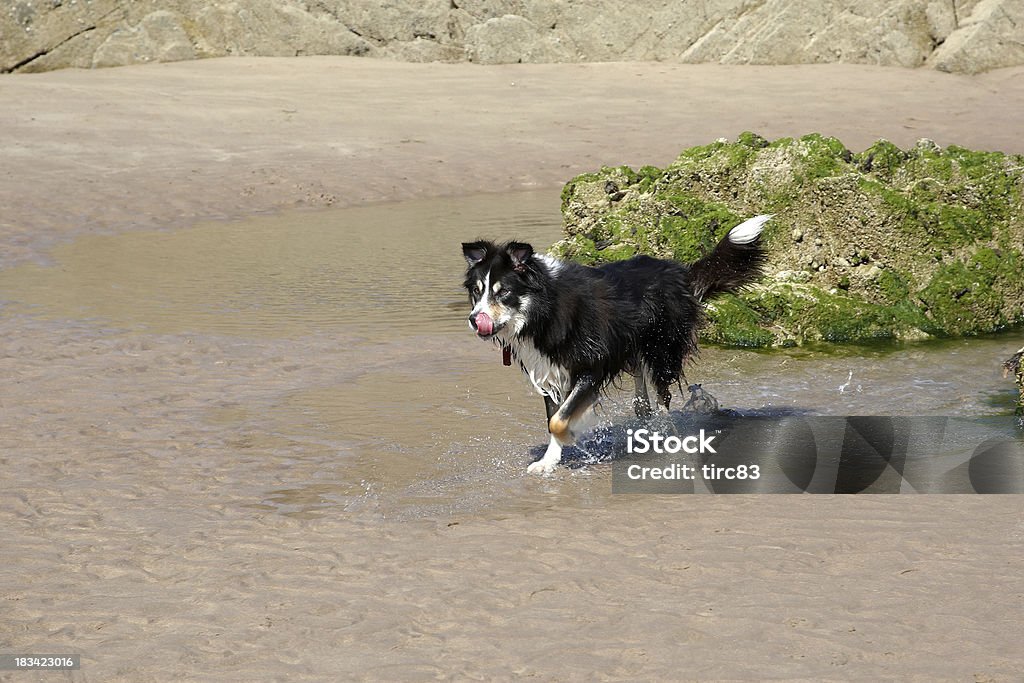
[[320, 362]]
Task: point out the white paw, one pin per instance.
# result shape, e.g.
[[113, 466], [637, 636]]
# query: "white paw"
[[547, 464], [541, 467]]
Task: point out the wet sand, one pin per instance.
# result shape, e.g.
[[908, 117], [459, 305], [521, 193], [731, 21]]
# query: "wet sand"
[[177, 504], [169, 144]]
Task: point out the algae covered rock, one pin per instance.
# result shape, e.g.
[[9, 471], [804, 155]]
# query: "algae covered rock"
[[886, 243], [1015, 365]]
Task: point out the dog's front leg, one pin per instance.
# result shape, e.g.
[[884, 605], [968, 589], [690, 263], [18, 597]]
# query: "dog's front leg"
[[553, 455], [549, 406], [561, 420]]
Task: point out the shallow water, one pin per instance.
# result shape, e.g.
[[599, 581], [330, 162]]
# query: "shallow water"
[[318, 362]]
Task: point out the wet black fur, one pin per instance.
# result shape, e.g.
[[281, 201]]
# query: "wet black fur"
[[601, 321]]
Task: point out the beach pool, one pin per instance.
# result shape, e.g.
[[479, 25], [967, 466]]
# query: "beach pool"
[[319, 362]]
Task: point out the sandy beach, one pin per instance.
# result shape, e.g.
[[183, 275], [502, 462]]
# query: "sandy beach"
[[170, 144], [157, 480]]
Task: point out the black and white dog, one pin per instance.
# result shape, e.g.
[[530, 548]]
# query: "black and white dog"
[[573, 328]]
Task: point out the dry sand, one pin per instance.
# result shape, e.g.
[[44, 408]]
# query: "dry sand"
[[130, 534]]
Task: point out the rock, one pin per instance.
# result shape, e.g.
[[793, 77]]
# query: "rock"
[[951, 35], [513, 39], [1015, 365], [159, 37], [40, 36], [783, 32], [272, 29], [992, 36], [92, 33], [922, 242]]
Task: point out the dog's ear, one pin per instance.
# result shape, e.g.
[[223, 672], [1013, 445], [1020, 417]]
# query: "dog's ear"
[[520, 253], [475, 252]]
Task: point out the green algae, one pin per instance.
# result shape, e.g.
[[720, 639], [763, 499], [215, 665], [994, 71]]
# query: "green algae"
[[882, 244]]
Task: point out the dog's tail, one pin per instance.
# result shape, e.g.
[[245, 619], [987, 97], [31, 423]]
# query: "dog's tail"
[[736, 261]]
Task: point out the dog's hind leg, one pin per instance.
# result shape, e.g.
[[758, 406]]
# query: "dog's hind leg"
[[664, 394], [581, 398], [641, 400], [662, 376]]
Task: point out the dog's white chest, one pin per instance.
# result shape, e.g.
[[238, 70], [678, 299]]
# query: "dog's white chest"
[[548, 378]]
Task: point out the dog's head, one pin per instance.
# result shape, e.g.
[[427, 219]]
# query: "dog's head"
[[498, 284]]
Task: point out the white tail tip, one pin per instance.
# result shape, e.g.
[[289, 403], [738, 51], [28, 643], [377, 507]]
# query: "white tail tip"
[[749, 230]]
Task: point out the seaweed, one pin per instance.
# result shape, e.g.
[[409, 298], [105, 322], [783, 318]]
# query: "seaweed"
[[887, 242]]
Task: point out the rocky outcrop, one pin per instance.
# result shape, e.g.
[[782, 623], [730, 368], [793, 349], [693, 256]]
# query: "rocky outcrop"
[[883, 244], [989, 37], [49, 34], [965, 36]]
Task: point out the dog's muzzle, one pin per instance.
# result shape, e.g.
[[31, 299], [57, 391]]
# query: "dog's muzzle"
[[482, 323]]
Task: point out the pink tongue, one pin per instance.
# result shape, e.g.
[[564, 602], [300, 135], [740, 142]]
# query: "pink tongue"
[[484, 324]]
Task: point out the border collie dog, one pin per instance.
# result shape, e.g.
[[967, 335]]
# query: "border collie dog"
[[573, 329]]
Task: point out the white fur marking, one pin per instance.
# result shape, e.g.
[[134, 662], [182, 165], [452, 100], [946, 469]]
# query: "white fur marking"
[[483, 304], [552, 456], [551, 263], [518, 320], [749, 230], [505, 320], [547, 378]]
